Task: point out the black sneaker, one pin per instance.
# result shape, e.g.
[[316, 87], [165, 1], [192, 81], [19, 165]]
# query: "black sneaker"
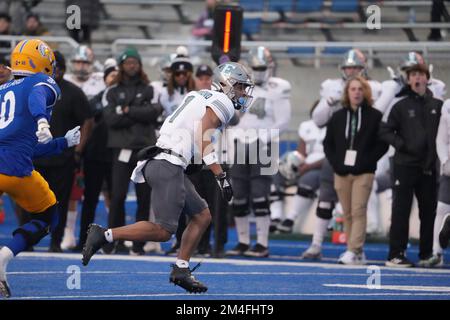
[[286, 226], [399, 261], [4, 289], [183, 277], [238, 250], [444, 235], [55, 248], [258, 251], [94, 241], [273, 225]]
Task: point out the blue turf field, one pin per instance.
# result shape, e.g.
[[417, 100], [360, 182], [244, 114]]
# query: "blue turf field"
[[40, 275]]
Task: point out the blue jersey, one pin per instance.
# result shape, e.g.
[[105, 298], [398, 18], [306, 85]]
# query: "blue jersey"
[[22, 103]]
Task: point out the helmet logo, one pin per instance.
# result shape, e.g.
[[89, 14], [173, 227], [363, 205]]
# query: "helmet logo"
[[31, 63], [228, 69], [43, 50]]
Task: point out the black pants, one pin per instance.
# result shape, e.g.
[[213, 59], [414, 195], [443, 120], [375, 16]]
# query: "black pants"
[[60, 180], [438, 9], [207, 187], [407, 182], [95, 173], [121, 173], [82, 35]]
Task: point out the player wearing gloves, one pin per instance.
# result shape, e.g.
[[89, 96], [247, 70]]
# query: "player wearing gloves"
[[30, 98], [201, 112]]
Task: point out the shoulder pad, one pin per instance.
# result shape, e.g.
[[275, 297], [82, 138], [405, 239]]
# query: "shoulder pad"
[[376, 88], [279, 86]]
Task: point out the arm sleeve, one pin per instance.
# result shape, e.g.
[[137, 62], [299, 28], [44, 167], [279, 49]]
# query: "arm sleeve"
[[322, 113], [380, 147], [388, 129], [39, 99], [389, 89], [54, 147], [329, 145]]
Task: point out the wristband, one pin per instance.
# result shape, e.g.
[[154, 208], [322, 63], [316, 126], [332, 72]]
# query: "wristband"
[[210, 158]]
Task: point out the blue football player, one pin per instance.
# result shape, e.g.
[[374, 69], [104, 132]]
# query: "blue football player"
[[25, 109]]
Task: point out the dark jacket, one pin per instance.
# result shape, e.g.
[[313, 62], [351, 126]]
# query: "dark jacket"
[[96, 147], [366, 143], [411, 128], [69, 111], [136, 129]]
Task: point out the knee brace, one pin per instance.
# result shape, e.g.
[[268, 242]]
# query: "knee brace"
[[33, 231], [276, 194], [240, 208], [325, 210], [261, 206], [306, 192], [41, 225]]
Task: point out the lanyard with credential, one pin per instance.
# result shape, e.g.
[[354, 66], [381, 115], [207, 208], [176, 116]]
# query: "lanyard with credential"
[[353, 125]]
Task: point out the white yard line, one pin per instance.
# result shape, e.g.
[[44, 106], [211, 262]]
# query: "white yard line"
[[390, 287], [242, 262], [218, 296]]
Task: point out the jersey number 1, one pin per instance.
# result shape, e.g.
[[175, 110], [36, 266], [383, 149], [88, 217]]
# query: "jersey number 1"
[[7, 118], [180, 108]]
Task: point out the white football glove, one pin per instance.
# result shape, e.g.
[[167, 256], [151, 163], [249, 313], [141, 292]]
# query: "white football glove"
[[334, 97], [43, 133], [73, 137]]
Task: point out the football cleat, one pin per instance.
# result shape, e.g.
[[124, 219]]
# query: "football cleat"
[[183, 277], [95, 240]]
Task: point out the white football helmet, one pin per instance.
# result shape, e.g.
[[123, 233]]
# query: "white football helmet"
[[262, 64], [233, 79]]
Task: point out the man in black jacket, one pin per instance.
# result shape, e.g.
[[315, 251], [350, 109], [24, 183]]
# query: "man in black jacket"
[[131, 119], [411, 128]]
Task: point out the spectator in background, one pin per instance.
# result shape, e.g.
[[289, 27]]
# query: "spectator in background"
[[90, 13], [411, 128], [353, 148], [17, 10], [70, 111], [34, 27], [203, 27], [97, 156], [131, 119], [438, 10], [5, 30], [5, 70], [180, 83], [205, 23]]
